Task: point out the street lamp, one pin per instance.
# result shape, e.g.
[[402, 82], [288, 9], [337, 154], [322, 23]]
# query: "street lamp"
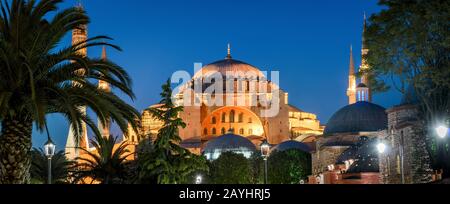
[[442, 131], [381, 147], [265, 151], [198, 179], [49, 151]]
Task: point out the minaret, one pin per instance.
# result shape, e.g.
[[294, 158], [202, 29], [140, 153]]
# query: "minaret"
[[229, 52], [351, 91], [104, 130], [72, 146], [364, 64]]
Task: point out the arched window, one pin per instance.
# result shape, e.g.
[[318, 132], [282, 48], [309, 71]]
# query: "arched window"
[[250, 120], [205, 131], [232, 113], [241, 131], [241, 118], [214, 132], [213, 120], [250, 131], [222, 131], [224, 117]]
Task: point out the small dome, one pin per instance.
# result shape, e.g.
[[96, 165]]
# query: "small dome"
[[359, 117], [292, 144], [361, 85], [228, 143], [365, 157], [228, 66]]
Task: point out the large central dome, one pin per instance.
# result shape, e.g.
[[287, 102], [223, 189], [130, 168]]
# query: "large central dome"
[[229, 66]]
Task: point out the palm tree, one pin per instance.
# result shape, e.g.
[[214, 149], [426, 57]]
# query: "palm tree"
[[60, 167], [105, 165], [38, 78]]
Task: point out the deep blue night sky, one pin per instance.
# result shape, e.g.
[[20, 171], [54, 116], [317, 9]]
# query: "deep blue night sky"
[[308, 41]]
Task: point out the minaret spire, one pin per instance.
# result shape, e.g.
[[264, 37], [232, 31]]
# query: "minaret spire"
[[352, 62], [364, 44], [103, 85], [364, 64], [351, 91], [229, 52], [104, 57]]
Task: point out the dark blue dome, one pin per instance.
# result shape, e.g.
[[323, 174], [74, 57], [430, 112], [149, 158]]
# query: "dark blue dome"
[[359, 117], [292, 144], [228, 143]]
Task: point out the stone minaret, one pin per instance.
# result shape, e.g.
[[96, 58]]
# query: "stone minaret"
[[351, 91], [104, 130], [364, 65], [73, 145]]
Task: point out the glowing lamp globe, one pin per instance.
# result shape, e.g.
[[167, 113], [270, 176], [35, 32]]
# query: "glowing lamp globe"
[[442, 131], [49, 149], [381, 147]]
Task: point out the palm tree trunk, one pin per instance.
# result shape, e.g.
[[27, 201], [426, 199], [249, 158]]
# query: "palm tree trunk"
[[15, 151]]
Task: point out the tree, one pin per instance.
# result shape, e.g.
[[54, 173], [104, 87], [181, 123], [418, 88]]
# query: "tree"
[[169, 163], [105, 165], [60, 167], [257, 164], [289, 167], [231, 168], [37, 78], [409, 42]]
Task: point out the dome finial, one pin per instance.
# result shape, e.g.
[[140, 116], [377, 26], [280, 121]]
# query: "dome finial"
[[229, 51]]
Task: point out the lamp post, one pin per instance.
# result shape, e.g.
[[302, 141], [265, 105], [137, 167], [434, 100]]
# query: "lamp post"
[[49, 150], [265, 151], [382, 147], [442, 132]]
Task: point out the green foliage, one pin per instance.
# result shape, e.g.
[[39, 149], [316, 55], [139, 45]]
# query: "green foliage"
[[231, 168], [257, 164], [39, 167], [169, 163], [106, 165], [409, 44], [289, 167]]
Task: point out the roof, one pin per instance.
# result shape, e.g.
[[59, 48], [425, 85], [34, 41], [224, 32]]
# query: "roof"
[[292, 108], [359, 117], [228, 66], [365, 156], [229, 142], [292, 144]]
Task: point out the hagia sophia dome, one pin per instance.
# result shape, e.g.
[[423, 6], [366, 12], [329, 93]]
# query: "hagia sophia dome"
[[228, 66], [362, 116]]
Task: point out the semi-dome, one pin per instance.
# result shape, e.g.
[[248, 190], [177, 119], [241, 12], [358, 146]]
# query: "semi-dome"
[[292, 144], [359, 117], [229, 66], [228, 143]]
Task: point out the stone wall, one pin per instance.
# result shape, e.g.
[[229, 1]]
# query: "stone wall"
[[325, 156], [404, 123]]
